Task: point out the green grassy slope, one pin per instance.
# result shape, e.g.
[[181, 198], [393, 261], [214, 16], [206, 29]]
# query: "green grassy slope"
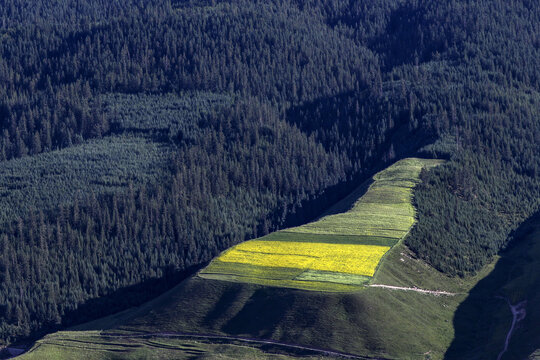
[[302, 258], [385, 210], [372, 322]]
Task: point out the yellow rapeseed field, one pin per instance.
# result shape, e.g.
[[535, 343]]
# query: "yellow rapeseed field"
[[342, 258]]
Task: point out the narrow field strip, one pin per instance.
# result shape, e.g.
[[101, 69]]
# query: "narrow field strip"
[[338, 252], [286, 236]]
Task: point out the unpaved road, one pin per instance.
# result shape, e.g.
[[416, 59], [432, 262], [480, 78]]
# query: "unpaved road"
[[518, 314], [422, 291], [240, 339]]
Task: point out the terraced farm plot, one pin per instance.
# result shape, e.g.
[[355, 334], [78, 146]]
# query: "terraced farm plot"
[[338, 252]]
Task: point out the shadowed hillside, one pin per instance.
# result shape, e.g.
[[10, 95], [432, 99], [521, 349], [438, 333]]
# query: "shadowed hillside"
[[483, 320]]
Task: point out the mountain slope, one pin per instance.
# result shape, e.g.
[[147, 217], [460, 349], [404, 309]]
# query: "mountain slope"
[[249, 116], [373, 322], [472, 324]]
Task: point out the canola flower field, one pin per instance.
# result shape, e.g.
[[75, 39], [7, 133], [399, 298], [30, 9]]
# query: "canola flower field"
[[340, 251], [343, 258]]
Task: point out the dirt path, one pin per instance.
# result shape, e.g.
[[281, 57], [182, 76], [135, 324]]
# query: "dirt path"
[[518, 314], [241, 339], [415, 289]]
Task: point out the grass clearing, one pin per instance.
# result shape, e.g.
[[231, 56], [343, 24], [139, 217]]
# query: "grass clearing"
[[374, 322], [340, 250]]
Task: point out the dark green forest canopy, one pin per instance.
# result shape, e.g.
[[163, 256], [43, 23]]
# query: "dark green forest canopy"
[[184, 127]]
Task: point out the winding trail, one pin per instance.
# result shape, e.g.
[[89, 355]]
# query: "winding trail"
[[240, 339], [518, 314], [415, 289]]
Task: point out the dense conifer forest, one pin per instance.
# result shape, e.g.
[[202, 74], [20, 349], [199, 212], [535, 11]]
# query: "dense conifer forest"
[[138, 139]]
